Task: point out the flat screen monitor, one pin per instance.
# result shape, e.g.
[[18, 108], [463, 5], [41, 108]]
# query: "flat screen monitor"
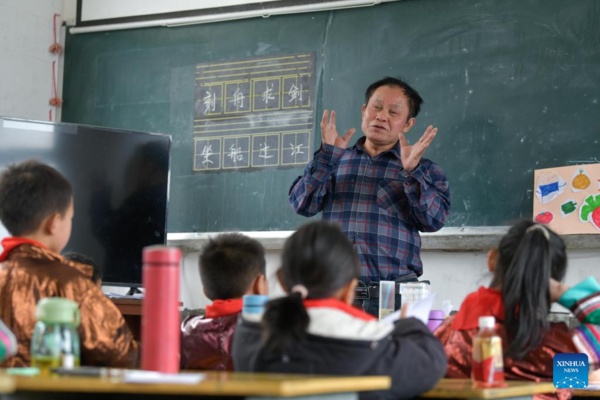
[[121, 187]]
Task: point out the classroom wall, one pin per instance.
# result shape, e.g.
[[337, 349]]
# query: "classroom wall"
[[107, 9], [453, 275], [26, 33]]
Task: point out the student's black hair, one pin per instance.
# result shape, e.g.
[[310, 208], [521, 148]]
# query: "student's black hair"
[[320, 257], [528, 256], [29, 192], [83, 259], [228, 265], [414, 99]]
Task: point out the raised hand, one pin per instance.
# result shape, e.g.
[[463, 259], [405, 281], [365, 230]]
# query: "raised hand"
[[411, 155], [329, 134]]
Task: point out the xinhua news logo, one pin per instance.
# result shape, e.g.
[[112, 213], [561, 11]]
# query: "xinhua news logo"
[[570, 371]]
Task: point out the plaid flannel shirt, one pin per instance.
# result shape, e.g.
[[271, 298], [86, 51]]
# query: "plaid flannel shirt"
[[379, 205]]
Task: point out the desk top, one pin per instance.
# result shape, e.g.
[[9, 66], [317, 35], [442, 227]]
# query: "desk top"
[[463, 388], [586, 393], [7, 384], [216, 383]]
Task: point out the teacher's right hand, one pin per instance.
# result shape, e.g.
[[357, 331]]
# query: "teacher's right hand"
[[329, 134]]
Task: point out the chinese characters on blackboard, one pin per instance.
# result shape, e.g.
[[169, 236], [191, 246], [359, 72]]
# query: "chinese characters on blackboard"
[[255, 113]]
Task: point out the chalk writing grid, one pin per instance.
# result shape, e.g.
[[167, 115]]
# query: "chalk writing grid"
[[254, 113]]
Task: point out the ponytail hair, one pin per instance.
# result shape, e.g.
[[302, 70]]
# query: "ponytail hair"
[[528, 256], [285, 322], [317, 261]]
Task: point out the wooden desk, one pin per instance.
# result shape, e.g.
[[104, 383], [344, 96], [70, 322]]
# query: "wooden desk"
[[463, 389], [221, 384], [7, 384], [586, 393], [132, 312]]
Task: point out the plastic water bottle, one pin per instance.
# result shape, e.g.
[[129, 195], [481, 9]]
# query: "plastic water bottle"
[[253, 307], [160, 310], [487, 369], [436, 318]]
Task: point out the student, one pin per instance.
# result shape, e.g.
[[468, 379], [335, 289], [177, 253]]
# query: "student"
[[315, 330], [527, 269], [36, 207], [85, 260], [231, 266]]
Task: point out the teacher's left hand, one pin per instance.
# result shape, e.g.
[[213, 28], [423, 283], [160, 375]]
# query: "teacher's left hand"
[[411, 155]]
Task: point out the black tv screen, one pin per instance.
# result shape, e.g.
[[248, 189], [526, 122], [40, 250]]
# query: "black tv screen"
[[121, 187]]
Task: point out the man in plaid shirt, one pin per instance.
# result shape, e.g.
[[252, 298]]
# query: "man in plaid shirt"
[[380, 190]]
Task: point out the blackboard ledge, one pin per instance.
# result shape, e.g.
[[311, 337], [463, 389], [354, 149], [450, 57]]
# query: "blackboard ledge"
[[465, 239]]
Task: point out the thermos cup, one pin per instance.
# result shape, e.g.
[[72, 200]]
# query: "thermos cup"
[[160, 310]]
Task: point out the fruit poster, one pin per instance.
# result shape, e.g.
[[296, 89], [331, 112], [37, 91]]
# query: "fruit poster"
[[567, 199]]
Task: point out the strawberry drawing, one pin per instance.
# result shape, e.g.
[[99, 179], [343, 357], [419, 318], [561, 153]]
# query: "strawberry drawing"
[[590, 211]]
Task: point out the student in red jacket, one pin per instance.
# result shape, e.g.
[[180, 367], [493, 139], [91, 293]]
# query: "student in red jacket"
[[231, 266], [528, 267]]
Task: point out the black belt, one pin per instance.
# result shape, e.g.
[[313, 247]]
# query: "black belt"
[[371, 291]]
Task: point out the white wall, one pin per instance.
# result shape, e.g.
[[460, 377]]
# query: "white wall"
[[106, 9], [69, 11], [26, 33], [453, 275]]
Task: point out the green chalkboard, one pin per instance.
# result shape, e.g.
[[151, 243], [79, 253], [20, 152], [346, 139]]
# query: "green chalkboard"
[[513, 85]]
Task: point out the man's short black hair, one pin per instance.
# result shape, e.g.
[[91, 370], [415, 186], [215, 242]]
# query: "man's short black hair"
[[414, 99], [29, 192], [83, 259], [229, 264]]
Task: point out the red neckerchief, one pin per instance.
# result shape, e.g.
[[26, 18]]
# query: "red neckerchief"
[[223, 308], [10, 243], [483, 303], [338, 305]]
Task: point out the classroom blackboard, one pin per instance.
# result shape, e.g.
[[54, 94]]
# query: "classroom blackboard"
[[512, 85]]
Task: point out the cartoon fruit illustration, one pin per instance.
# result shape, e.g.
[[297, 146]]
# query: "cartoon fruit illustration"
[[545, 217], [581, 181], [590, 211]]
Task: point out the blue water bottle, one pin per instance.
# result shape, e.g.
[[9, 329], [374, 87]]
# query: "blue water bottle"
[[253, 307]]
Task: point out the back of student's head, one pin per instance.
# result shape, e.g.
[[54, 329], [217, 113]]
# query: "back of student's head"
[[83, 259], [29, 192], [229, 264], [319, 258], [528, 256]]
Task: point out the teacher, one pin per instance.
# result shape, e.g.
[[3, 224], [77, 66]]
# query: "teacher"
[[381, 190]]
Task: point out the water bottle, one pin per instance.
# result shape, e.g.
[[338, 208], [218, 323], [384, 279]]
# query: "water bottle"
[[487, 369], [253, 307], [55, 341], [436, 318], [160, 309]]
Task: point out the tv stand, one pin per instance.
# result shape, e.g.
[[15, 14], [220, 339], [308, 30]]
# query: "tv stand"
[[133, 291], [132, 312]]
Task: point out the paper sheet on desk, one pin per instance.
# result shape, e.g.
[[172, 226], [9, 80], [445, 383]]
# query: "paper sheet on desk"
[[419, 310], [157, 377]]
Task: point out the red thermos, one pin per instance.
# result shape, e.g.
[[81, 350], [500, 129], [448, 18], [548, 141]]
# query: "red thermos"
[[160, 310]]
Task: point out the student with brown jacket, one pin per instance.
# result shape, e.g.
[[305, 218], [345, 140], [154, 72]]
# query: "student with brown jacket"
[[36, 207]]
